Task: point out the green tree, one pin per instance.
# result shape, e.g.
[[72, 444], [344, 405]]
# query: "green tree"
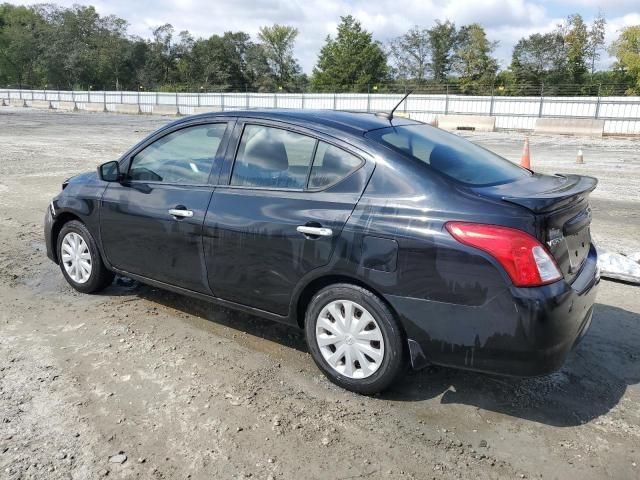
[[185, 60], [221, 62], [163, 54], [576, 38], [258, 71], [72, 47], [595, 40], [626, 49], [411, 54], [539, 59], [506, 84], [442, 42], [113, 46], [351, 60], [21, 32], [473, 61], [135, 64], [277, 42]]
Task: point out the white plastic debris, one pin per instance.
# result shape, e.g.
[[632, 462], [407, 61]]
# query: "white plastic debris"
[[618, 266]]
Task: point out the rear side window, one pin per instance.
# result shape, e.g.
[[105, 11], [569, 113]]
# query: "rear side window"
[[330, 165], [181, 157], [273, 157], [450, 154]]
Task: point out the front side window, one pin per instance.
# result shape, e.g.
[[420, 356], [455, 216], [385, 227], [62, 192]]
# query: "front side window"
[[451, 155], [185, 156], [273, 158]]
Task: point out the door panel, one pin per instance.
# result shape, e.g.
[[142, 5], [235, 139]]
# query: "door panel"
[[151, 223], [141, 236], [255, 255]]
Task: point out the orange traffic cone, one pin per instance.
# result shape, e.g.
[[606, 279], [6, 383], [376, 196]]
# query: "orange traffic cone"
[[525, 161]]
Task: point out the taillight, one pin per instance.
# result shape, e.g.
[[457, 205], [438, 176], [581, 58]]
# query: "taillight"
[[524, 258]]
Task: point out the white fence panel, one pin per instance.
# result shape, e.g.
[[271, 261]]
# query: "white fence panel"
[[424, 104], [574, 107], [621, 114], [515, 123], [469, 105], [516, 106], [319, 101]]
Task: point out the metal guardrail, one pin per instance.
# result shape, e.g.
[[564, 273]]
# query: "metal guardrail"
[[621, 114]]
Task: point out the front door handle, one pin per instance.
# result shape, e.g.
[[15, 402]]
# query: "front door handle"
[[177, 212], [316, 231]]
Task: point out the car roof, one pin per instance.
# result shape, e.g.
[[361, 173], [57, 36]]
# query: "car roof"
[[353, 122]]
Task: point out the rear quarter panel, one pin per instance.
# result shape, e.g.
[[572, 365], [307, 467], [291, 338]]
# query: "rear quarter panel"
[[444, 293], [407, 203]]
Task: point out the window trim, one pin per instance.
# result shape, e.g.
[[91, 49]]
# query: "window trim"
[[218, 156], [351, 172], [244, 122], [237, 150]]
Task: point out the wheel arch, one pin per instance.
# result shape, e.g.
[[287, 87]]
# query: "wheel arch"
[[317, 284], [61, 219]]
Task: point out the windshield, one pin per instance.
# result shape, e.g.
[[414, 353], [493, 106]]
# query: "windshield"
[[451, 155]]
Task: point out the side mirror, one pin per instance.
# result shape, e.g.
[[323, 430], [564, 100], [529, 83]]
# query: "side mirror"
[[110, 172]]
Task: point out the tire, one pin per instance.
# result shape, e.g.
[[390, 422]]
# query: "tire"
[[75, 234], [373, 344]]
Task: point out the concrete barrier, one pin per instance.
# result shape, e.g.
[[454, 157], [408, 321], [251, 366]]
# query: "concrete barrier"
[[17, 102], [205, 109], [581, 127], [479, 123], [164, 110], [44, 104], [129, 108], [91, 106], [4, 102], [64, 106]]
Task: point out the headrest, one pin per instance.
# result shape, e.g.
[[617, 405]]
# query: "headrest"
[[443, 156], [266, 153], [331, 160]]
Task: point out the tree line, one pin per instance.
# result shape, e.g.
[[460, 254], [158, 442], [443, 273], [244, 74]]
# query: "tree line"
[[47, 46]]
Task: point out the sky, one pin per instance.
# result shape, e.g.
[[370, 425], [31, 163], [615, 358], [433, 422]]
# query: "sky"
[[505, 21]]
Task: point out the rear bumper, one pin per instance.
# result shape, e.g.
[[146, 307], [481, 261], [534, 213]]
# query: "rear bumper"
[[520, 332]]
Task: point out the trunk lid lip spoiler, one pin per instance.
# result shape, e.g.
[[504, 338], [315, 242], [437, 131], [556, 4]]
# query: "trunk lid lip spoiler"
[[572, 190]]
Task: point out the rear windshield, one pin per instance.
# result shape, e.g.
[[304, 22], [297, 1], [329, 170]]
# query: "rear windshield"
[[450, 154]]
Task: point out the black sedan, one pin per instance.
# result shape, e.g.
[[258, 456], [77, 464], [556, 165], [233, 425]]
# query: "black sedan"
[[387, 240]]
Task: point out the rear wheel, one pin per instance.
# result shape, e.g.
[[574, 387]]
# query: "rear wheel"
[[354, 338], [80, 260]]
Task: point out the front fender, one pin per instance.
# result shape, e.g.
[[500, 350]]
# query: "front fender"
[[80, 200]]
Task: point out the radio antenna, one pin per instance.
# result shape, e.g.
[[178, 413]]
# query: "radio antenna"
[[389, 116]]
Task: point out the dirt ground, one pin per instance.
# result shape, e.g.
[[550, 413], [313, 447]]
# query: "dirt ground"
[[184, 389]]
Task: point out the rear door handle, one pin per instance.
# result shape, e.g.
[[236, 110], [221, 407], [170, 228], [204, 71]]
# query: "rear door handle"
[[176, 212], [318, 231]]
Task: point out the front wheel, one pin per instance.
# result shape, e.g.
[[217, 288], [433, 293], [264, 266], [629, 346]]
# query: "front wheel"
[[80, 259], [354, 338]]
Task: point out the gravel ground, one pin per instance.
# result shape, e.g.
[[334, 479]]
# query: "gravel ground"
[[140, 383]]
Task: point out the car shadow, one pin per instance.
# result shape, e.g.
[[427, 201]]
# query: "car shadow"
[[590, 384], [239, 321]]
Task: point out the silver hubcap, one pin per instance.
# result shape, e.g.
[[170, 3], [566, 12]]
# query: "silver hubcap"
[[76, 257], [350, 339]]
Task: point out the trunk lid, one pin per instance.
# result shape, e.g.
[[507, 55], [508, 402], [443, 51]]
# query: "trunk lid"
[[560, 204]]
